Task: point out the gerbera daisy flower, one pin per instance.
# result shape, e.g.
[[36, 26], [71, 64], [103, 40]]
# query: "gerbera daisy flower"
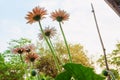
[[19, 50], [37, 14], [49, 32], [29, 48], [60, 15], [31, 57]]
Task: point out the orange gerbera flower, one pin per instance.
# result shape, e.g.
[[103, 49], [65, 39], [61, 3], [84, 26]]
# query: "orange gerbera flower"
[[59, 15], [31, 57], [37, 14]]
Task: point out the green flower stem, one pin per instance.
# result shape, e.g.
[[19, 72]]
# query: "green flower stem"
[[66, 43], [112, 75], [30, 69], [21, 58], [38, 77], [55, 51], [26, 75], [55, 59], [31, 65]]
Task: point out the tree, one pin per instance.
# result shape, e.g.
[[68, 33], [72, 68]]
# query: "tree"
[[46, 62], [10, 66]]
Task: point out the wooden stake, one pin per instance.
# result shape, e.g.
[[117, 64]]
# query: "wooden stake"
[[102, 44]]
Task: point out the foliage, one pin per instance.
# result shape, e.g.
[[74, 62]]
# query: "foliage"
[[11, 67], [18, 43], [113, 61], [77, 53], [10, 70], [78, 72], [45, 64]]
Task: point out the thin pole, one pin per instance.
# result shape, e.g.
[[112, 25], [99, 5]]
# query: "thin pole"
[[102, 44]]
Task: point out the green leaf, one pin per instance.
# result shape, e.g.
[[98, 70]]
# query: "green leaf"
[[79, 72], [1, 58], [64, 76]]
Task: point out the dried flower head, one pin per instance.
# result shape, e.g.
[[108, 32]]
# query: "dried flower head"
[[29, 48], [31, 57], [18, 50], [46, 65], [60, 15], [49, 32], [37, 14]]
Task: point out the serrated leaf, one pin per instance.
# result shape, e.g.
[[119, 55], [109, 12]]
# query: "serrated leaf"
[[79, 72]]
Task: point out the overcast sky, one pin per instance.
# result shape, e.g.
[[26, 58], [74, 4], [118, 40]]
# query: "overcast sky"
[[79, 29]]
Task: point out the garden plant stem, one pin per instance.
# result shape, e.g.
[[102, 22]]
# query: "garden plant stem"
[[57, 55], [52, 51], [70, 58], [21, 58]]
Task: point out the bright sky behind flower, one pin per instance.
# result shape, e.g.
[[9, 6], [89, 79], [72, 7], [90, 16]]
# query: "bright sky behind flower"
[[79, 29]]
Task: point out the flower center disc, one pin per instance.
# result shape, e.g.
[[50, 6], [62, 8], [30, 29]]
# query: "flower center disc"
[[59, 18], [37, 17], [47, 33]]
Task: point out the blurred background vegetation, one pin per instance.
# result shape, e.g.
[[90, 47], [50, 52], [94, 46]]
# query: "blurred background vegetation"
[[113, 61], [12, 69]]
